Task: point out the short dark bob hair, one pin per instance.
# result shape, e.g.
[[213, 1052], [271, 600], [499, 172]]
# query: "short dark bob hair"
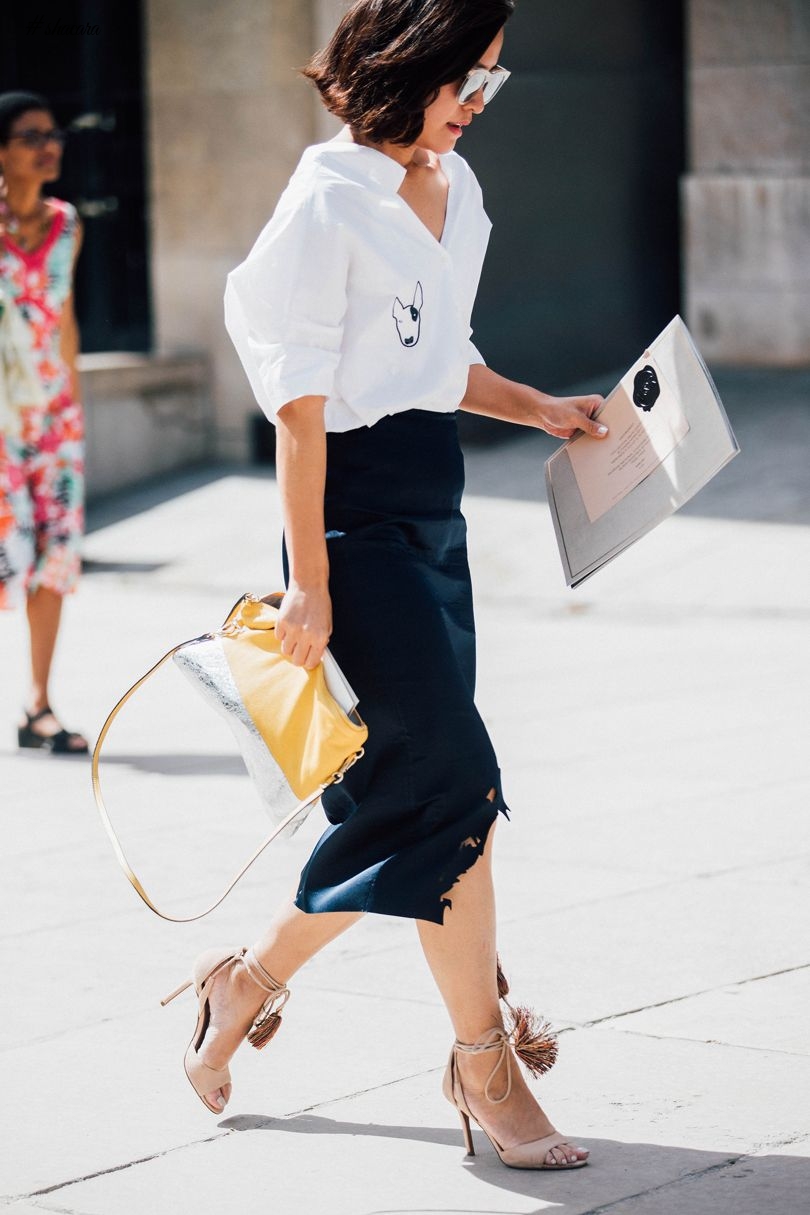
[[388, 59], [14, 104]]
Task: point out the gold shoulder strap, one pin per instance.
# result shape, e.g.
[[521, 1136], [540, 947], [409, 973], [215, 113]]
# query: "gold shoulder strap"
[[108, 827]]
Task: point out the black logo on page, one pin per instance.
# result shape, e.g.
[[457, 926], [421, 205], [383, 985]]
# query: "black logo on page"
[[646, 388]]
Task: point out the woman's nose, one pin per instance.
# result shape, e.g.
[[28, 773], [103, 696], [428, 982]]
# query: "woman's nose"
[[476, 102]]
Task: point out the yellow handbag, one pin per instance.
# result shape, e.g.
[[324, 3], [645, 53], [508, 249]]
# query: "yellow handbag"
[[298, 730]]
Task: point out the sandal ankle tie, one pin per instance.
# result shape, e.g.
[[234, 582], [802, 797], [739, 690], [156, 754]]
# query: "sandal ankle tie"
[[268, 1018], [500, 1043]]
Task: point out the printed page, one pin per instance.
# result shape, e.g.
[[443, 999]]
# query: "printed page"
[[627, 476], [646, 423]]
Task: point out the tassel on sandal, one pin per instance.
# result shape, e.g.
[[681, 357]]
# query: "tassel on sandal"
[[268, 1019], [533, 1039]]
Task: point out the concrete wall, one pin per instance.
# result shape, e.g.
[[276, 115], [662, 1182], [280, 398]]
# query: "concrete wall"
[[746, 199], [228, 117], [144, 415]]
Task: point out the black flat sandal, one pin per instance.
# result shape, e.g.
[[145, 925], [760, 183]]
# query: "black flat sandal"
[[60, 743]]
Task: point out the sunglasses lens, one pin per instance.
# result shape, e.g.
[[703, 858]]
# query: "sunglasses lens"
[[471, 84], [480, 78], [38, 139]]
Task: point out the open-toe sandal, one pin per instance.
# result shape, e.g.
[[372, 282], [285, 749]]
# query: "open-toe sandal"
[[63, 742], [207, 966], [536, 1046]]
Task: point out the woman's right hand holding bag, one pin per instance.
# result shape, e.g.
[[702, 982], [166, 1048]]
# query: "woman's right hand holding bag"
[[304, 624]]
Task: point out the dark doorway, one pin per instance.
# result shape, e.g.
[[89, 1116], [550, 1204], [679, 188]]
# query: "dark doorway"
[[86, 57], [580, 159]]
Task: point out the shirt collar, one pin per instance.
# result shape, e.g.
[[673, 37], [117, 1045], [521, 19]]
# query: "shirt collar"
[[359, 161]]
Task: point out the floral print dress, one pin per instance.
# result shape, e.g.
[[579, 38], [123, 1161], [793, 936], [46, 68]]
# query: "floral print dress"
[[42, 461]]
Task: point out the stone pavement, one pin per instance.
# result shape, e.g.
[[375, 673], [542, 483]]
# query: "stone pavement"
[[652, 729]]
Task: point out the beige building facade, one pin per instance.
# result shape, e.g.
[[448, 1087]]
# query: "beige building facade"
[[746, 197], [228, 117]]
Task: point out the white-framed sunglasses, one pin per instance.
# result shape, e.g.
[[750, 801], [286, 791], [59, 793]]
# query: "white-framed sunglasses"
[[488, 79]]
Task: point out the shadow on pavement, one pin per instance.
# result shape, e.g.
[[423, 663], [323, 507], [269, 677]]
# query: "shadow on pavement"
[[115, 507], [90, 566], [652, 1177]]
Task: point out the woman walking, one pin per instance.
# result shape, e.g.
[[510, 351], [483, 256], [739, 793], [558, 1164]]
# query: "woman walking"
[[351, 316], [41, 449]]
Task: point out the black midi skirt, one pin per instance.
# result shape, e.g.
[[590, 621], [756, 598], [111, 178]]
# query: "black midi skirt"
[[414, 813]]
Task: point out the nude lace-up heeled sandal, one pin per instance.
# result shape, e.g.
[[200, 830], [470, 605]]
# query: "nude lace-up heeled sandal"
[[208, 965], [536, 1046], [533, 1155]]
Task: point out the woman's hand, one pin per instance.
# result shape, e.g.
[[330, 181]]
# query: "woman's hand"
[[304, 624], [564, 416]]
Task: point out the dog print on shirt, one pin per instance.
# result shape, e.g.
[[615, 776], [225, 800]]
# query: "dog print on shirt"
[[408, 317]]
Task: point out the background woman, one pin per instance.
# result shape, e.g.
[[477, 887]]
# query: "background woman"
[[351, 316], [41, 448]]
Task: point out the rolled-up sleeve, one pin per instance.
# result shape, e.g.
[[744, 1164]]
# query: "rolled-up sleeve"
[[285, 305], [473, 353]]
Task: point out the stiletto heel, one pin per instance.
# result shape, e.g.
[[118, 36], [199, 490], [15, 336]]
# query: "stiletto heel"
[[207, 966], [533, 1155], [466, 1132], [177, 992]]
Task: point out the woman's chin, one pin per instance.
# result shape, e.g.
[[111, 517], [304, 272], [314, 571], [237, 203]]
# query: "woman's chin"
[[440, 143], [48, 175]]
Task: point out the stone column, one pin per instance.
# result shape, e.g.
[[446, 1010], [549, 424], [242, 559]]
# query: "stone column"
[[228, 119], [746, 198]]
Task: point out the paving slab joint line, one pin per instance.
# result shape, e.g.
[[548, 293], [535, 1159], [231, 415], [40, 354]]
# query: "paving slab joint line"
[[799, 1137], [116, 1168], [320, 1105], [766, 1050], [667, 1185], [668, 883], [118, 1018], [374, 1088], [49, 1210], [692, 995], [61, 1185]]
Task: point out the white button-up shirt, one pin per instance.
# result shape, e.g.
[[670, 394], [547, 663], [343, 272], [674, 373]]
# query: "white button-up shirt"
[[347, 295]]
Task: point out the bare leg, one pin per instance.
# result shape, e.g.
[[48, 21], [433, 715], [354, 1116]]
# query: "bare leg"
[[291, 940], [461, 955], [44, 614]]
